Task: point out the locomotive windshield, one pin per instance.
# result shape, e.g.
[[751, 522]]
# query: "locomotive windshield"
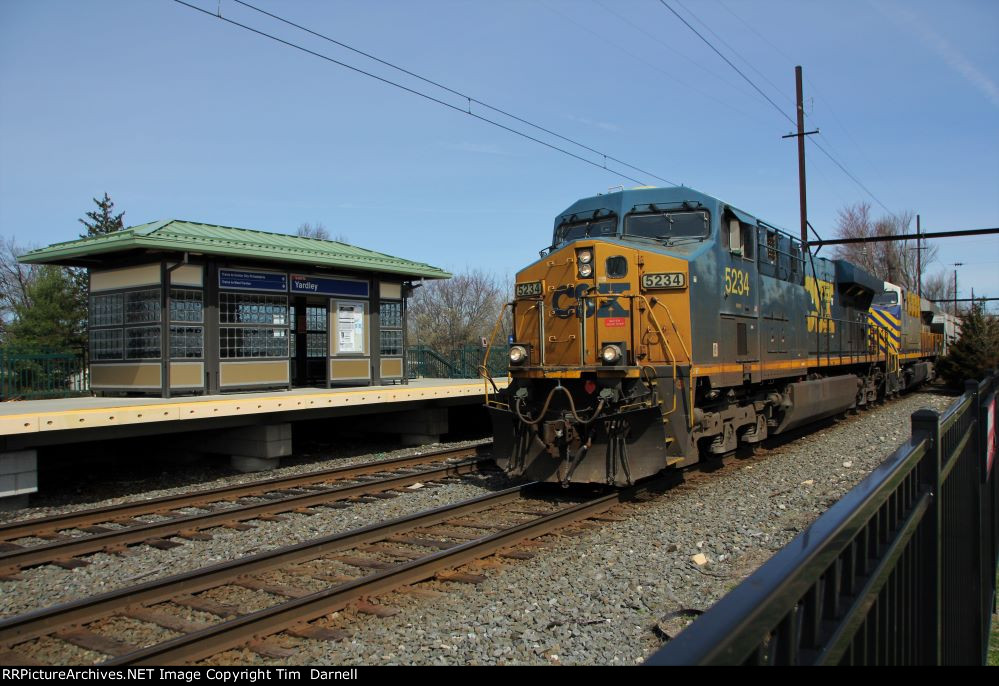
[[886, 298], [585, 229], [662, 225]]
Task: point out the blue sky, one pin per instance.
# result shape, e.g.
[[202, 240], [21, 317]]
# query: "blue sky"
[[178, 115]]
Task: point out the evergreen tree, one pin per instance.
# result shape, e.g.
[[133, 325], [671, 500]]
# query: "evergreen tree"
[[103, 220], [50, 319], [99, 222], [976, 352]]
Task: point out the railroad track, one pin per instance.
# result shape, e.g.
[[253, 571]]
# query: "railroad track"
[[67, 537], [304, 582]]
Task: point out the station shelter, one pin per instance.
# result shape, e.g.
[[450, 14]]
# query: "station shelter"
[[238, 309]]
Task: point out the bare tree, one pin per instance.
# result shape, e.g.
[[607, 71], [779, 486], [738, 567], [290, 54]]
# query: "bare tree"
[[892, 261], [14, 281], [318, 230], [459, 311], [938, 286]]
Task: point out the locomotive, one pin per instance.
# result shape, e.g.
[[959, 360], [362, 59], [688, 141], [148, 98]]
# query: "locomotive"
[[663, 326]]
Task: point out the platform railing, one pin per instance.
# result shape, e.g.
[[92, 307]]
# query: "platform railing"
[[460, 363], [30, 375], [900, 571]]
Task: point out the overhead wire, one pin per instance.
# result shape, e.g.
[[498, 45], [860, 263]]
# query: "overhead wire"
[[468, 111], [811, 84], [735, 52], [606, 41], [776, 106]]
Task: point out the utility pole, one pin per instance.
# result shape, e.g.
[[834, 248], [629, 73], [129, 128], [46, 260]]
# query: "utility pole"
[[956, 264], [919, 260], [800, 135]]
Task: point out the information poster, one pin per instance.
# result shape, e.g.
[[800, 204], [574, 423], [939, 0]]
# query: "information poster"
[[243, 280], [350, 328]]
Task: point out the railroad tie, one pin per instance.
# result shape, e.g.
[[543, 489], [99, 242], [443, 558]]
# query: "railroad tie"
[[367, 608], [206, 605], [10, 547], [421, 592], [318, 633], [471, 524], [120, 550], [238, 526], [11, 659], [270, 649], [85, 638], [393, 551], [194, 535], [422, 542], [268, 587], [461, 577], [163, 619], [364, 563], [161, 543]]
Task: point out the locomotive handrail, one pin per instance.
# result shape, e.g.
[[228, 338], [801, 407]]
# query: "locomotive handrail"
[[484, 367], [690, 359], [665, 342]]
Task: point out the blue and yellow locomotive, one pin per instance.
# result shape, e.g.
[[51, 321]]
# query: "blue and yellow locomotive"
[[663, 325]]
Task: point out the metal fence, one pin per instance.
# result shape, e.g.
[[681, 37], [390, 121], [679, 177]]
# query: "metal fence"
[[900, 571], [42, 375], [461, 363]]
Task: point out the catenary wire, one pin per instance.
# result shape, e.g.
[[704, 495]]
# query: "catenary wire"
[[437, 84], [777, 107]]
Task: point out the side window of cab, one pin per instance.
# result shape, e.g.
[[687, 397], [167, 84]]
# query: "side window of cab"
[[739, 237]]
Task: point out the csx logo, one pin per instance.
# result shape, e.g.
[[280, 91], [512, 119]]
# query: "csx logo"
[[567, 300]]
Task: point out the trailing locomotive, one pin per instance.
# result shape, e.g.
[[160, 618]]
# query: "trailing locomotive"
[[663, 325]]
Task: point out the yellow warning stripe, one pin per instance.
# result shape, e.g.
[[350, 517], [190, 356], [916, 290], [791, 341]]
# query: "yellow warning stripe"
[[884, 321], [888, 315]]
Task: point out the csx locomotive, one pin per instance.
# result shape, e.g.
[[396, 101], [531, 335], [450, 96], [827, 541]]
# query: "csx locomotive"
[[662, 326]]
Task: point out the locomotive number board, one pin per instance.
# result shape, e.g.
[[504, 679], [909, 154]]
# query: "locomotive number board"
[[664, 280], [528, 290]]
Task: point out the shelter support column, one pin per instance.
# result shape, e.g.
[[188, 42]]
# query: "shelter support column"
[[419, 427], [253, 448], [18, 478]]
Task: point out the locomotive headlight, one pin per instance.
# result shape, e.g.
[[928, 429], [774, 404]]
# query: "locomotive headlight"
[[610, 354], [584, 256], [585, 269], [518, 354]]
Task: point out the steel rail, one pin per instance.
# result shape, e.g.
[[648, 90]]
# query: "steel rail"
[[212, 640], [70, 520], [180, 526], [47, 620]]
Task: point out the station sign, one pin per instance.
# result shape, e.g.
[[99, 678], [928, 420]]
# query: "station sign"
[[243, 280], [322, 285]]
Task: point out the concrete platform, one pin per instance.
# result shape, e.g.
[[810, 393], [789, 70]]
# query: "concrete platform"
[[33, 423]]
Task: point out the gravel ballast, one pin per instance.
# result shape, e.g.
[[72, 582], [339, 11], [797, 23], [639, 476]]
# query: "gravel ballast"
[[596, 598], [49, 585], [587, 599]]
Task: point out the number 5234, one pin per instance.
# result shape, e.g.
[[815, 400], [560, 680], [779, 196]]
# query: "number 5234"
[[736, 281]]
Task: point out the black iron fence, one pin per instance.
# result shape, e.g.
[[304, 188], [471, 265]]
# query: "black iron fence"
[[25, 376], [461, 363], [900, 571]]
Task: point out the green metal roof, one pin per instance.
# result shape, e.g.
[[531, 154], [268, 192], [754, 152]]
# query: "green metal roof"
[[175, 235]]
